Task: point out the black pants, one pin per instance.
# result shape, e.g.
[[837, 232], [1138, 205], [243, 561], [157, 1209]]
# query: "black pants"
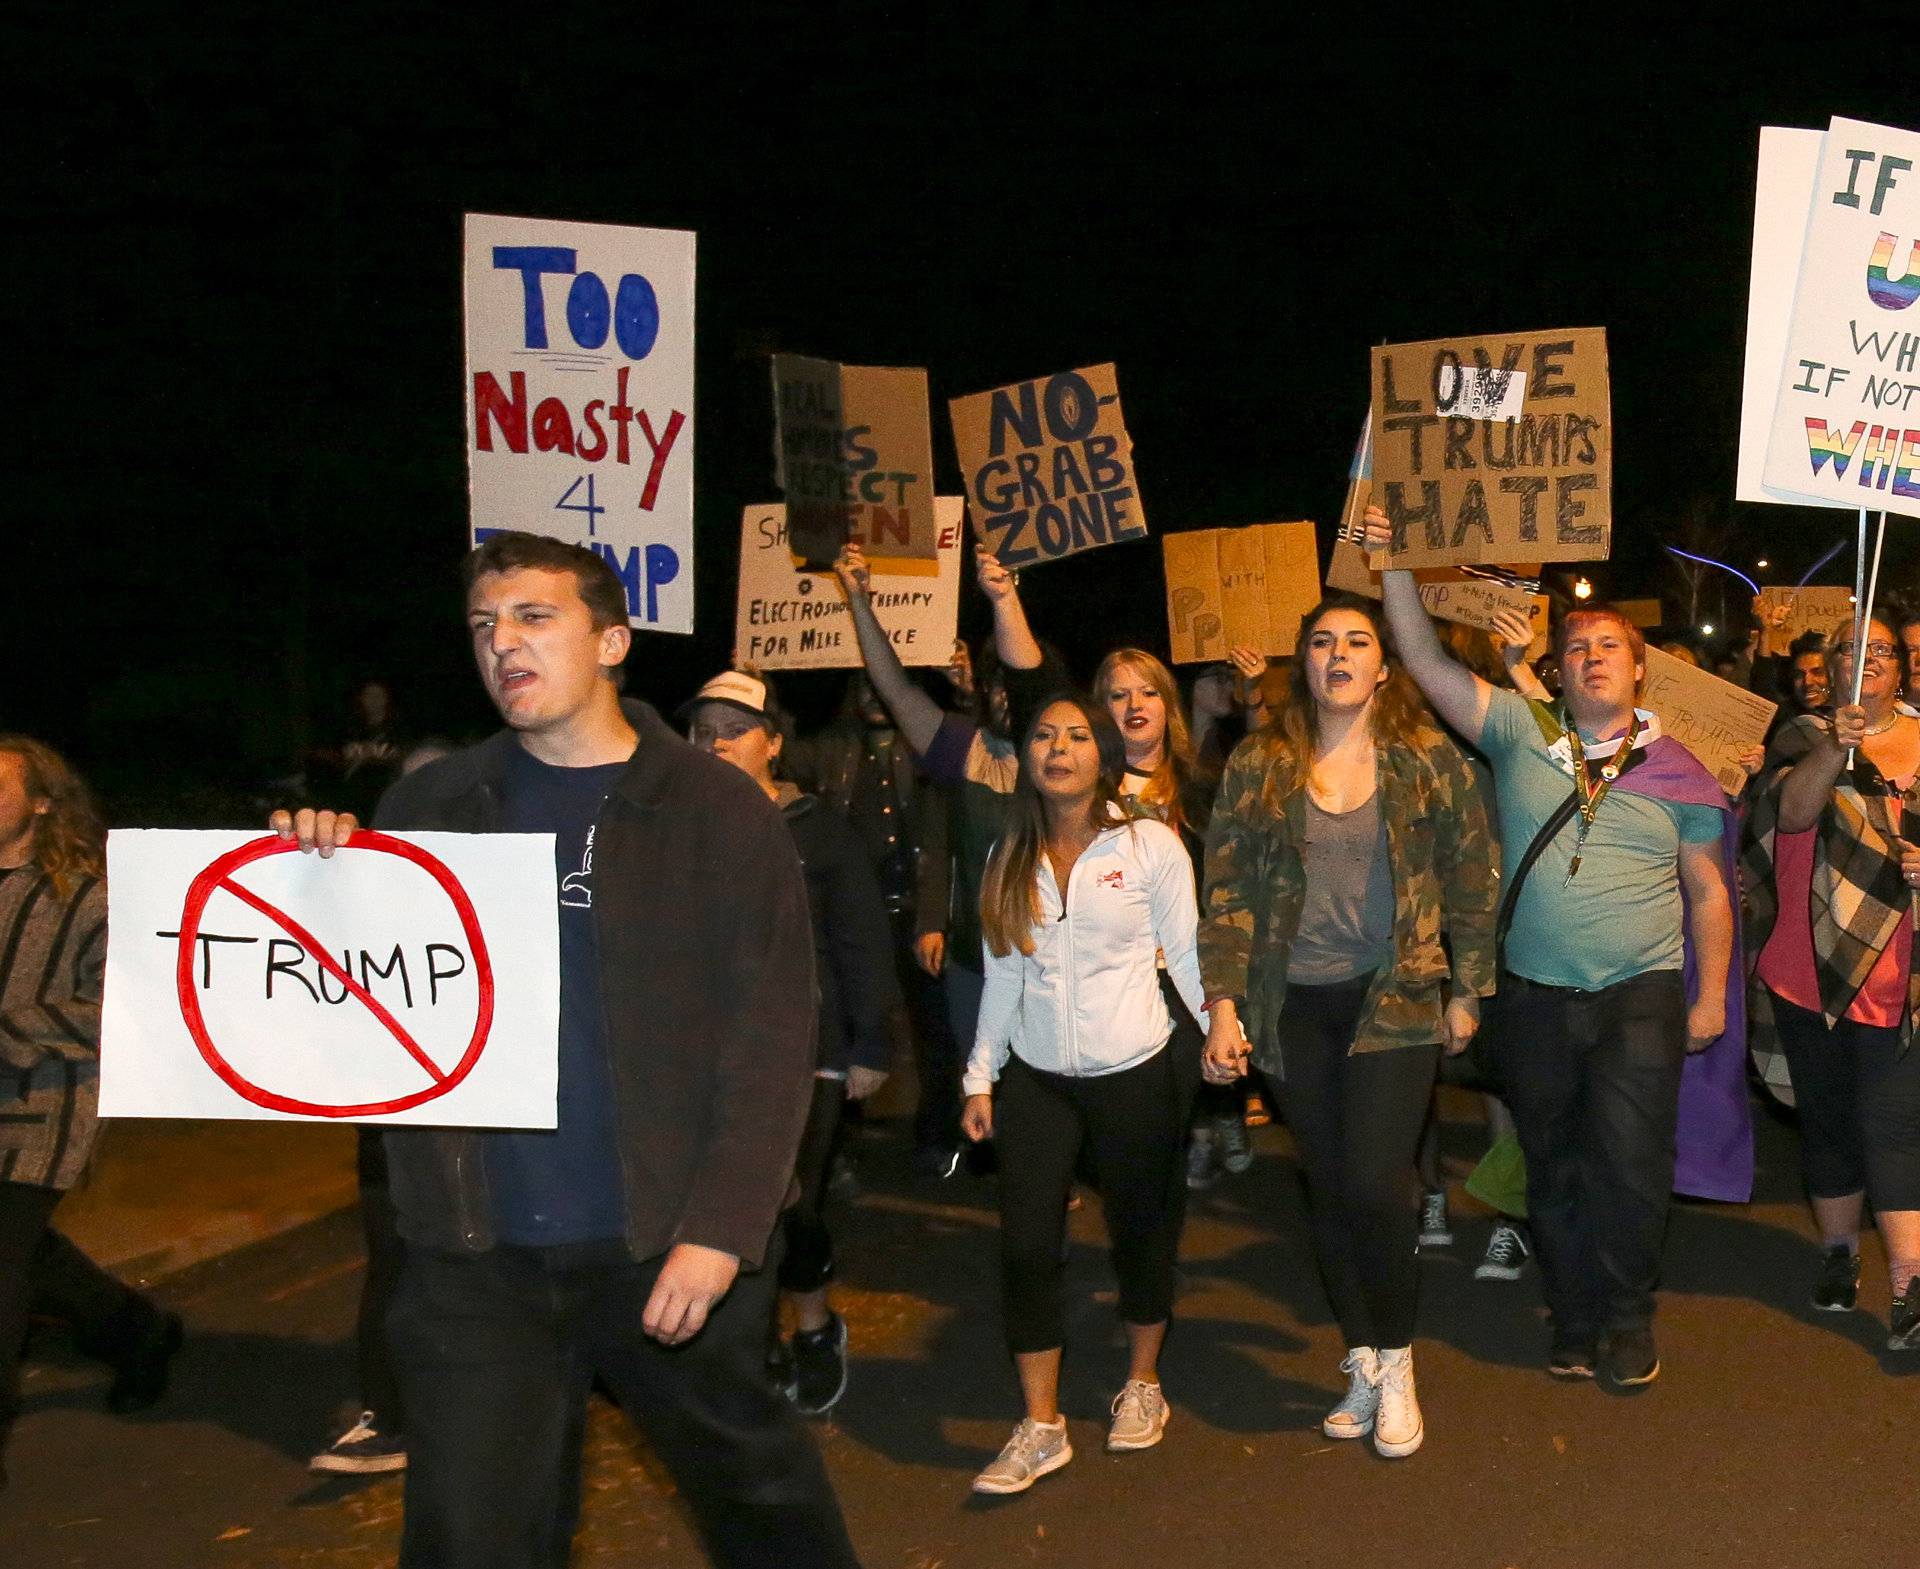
[[938, 1055], [495, 1353], [41, 1272], [1858, 1095], [1133, 1126], [808, 1264], [1356, 1120], [379, 1389], [1593, 1082]]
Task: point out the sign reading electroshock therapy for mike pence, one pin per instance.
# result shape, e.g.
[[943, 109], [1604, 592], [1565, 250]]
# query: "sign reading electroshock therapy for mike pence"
[[404, 979], [580, 397]]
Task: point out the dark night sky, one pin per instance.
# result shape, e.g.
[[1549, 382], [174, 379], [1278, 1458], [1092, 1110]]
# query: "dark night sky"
[[238, 458]]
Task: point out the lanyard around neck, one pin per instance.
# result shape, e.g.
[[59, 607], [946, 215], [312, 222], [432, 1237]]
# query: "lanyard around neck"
[[1593, 784]]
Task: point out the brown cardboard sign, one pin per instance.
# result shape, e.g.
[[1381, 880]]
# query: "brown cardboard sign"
[[1447, 592], [1048, 466], [1712, 718], [1809, 609], [853, 453], [1239, 588], [1497, 448]]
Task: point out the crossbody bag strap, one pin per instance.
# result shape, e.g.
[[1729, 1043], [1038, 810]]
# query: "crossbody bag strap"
[[1561, 815]]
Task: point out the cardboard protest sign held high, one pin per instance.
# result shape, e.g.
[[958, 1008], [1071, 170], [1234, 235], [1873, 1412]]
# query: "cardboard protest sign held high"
[[407, 979], [1496, 448], [853, 455], [1048, 466], [789, 620], [1846, 425], [580, 397], [1809, 609], [1239, 588], [1712, 718]]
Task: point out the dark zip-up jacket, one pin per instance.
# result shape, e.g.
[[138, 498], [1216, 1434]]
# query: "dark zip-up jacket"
[[706, 977]]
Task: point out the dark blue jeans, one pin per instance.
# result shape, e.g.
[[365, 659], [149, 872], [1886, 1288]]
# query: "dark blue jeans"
[[1593, 1082], [495, 1354]]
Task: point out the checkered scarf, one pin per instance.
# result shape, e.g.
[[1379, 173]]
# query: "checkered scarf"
[[1858, 897]]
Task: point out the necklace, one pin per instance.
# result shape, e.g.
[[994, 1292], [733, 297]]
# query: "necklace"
[[1593, 790], [1892, 720]]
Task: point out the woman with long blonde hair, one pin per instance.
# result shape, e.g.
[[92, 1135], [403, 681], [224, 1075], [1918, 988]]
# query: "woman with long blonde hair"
[[1079, 898], [1348, 840]]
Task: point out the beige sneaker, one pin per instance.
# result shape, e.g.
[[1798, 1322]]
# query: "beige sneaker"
[[1354, 1416], [1139, 1416], [1397, 1430], [1031, 1453]]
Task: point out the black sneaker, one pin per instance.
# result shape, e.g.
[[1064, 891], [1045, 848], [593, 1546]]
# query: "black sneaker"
[[1572, 1354], [140, 1374], [362, 1450], [820, 1367], [1905, 1319], [1632, 1361], [779, 1367], [1838, 1288]]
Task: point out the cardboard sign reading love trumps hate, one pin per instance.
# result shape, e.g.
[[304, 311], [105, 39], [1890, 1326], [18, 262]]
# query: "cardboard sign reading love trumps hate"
[[1239, 588], [1496, 448], [853, 454], [1048, 466], [580, 397], [407, 979]]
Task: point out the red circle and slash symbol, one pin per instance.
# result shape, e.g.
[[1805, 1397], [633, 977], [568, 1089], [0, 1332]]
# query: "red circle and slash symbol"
[[220, 876]]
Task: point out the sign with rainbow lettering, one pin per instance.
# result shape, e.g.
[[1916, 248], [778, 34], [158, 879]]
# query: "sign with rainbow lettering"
[[1845, 425]]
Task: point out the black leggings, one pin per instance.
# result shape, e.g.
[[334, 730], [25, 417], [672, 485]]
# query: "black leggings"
[[1356, 1119], [1858, 1095], [1133, 1124], [808, 1264]]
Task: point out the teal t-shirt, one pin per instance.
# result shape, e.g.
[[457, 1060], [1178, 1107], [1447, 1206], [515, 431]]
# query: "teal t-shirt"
[[1622, 915]]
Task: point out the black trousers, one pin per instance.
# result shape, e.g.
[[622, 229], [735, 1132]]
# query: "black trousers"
[[1858, 1094], [1356, 1119], [41, 1272], [1593, 1082], [495, 1354], [379, 1389], [1132, 1125], [938, 1054], [808, 1264]]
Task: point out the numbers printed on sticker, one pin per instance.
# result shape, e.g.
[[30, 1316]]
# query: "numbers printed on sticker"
[[567, 504]]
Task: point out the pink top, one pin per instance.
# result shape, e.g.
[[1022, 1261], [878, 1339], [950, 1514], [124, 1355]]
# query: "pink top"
[[1786, 963]]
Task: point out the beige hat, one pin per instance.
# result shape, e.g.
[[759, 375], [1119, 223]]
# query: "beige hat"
[[736, 689]]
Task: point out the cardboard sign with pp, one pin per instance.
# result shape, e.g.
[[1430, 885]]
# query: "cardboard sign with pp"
[[1496, 448], [1712, 718], [1844, 428], [580, 397], [1238, 588], [792, 620], [407, 979], [853, 454], [1809, 609], [1048, 466]]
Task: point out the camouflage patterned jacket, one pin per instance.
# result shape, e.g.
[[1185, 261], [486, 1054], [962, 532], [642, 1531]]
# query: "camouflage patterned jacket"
[[1446, 879]]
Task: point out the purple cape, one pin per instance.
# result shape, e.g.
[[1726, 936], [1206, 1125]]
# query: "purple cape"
[[1713, 1158]]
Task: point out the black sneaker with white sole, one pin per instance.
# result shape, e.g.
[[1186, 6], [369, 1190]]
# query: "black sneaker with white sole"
[[1838, 1288], [1506, 1254], [1904, 1322], [362, 1450], [820, 1366]]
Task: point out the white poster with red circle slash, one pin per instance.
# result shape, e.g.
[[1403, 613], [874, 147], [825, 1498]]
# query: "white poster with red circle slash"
[[409, 979]]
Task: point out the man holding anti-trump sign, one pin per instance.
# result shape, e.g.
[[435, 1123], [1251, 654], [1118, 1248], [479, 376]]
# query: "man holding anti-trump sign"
[[1604, 823], [633, 1241]]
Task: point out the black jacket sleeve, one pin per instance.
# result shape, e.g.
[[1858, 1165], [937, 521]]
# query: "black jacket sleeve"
[[860, 949]]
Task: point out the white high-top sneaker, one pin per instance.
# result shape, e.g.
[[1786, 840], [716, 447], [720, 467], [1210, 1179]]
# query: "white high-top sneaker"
[[1354, 1416], [1397, 1430]]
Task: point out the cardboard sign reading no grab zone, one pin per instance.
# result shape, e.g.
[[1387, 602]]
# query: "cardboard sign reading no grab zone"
[[409, 979]]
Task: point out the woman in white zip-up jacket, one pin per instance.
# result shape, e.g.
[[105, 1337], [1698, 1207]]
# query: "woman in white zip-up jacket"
[[1079, 899]]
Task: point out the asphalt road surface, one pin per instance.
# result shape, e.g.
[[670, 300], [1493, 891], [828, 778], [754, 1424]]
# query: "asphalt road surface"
[[1775, 1436]]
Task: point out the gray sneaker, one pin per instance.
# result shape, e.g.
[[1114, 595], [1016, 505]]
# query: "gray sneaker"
[[1030, 1454], [1233, 1143], [1355, 1415], [1436, 1229], [1139, 1416]]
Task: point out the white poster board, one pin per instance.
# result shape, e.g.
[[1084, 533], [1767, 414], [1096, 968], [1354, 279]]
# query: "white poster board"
[[1846, 424], [787, 619], [407, 979], [580, 397]]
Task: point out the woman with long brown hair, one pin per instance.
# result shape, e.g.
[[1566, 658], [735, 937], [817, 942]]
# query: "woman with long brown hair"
[[1078, 899], [1346, 841]]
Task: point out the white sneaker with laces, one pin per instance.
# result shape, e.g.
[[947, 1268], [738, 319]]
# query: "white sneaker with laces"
[[1032, 1452], [1506, 1254], [1397, 1430], [1354, 1416], [1139, 1416], [1436, 1229]]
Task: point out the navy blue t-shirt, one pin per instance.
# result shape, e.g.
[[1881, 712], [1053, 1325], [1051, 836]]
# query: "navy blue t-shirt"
[[564, 1186]]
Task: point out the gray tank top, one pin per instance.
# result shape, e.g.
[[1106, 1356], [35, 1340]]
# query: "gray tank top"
[[1346, 923]]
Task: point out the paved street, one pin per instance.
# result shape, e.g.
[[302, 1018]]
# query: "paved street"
[[1777, 1436]]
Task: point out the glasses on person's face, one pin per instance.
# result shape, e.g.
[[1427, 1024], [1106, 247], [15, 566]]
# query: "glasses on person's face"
[[1874, 650]]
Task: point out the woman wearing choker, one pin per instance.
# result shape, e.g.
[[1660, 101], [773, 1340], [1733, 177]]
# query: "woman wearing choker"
[[1830, 869]]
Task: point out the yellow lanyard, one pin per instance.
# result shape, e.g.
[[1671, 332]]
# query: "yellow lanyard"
[[1593, 790]]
